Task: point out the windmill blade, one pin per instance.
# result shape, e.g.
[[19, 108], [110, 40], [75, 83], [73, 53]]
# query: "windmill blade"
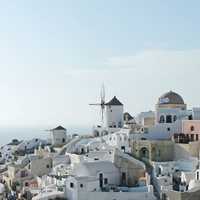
[[102, 94], [102, 102], [102, 114]]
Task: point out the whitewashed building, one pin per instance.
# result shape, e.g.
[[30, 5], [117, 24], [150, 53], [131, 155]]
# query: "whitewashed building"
[[113, 118], [58, 136]]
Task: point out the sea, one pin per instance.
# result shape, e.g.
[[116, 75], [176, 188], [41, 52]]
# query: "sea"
[[7, 134]]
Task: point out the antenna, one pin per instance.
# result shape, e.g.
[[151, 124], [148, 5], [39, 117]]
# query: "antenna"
[[102, 102]]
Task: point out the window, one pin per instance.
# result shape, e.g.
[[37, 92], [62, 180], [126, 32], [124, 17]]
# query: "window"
[[197, 175], [48, 166], [100, 180], [71, 185], [123, 148], [168, 119], [23, 174], [197, 137], [192, 128], [105, 181], [190, 117], [81, 185], [63, 140], [175, 118], [192, 137], [168, 129], [162, 119], [123, 178], [159, 171], [26, 184]]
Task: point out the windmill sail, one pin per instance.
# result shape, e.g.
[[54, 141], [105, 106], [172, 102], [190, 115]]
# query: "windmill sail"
[[102, 102]]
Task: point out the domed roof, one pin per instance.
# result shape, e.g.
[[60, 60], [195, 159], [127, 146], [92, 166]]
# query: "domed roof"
[[170, 98]]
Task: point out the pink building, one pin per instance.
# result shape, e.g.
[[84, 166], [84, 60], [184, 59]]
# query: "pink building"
[[190, 132]]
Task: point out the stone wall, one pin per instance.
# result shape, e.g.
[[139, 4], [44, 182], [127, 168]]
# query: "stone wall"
[[133, 168], [173, 195]]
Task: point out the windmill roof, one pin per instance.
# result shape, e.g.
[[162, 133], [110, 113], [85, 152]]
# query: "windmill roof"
[[59, 128], [127, 116], [114, 102]]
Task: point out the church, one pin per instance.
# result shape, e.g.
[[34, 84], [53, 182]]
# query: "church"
[[171, 118]]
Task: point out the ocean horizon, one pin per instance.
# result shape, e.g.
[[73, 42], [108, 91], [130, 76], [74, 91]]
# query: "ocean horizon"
[[7, 134]]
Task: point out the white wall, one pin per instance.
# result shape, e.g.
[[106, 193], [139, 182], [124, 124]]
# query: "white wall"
[[113, 115], [59, 137], [196, 113], [180, 114], [118, 140], [116, 196], [90, 191]]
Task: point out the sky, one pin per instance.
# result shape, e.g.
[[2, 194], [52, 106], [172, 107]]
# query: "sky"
[[55, 56]]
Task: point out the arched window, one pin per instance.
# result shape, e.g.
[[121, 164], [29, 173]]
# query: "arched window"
[[168, 119], [162, 119], [192, 128], [144, 152], [175, 118]]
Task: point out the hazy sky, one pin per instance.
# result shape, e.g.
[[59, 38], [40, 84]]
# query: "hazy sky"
[[55, 55]]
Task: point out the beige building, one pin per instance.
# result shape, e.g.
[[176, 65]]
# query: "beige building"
[[131, 170], [147, 150], [164, 150], [191, 195], [19, 176], [41, 166], [16, 176]]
